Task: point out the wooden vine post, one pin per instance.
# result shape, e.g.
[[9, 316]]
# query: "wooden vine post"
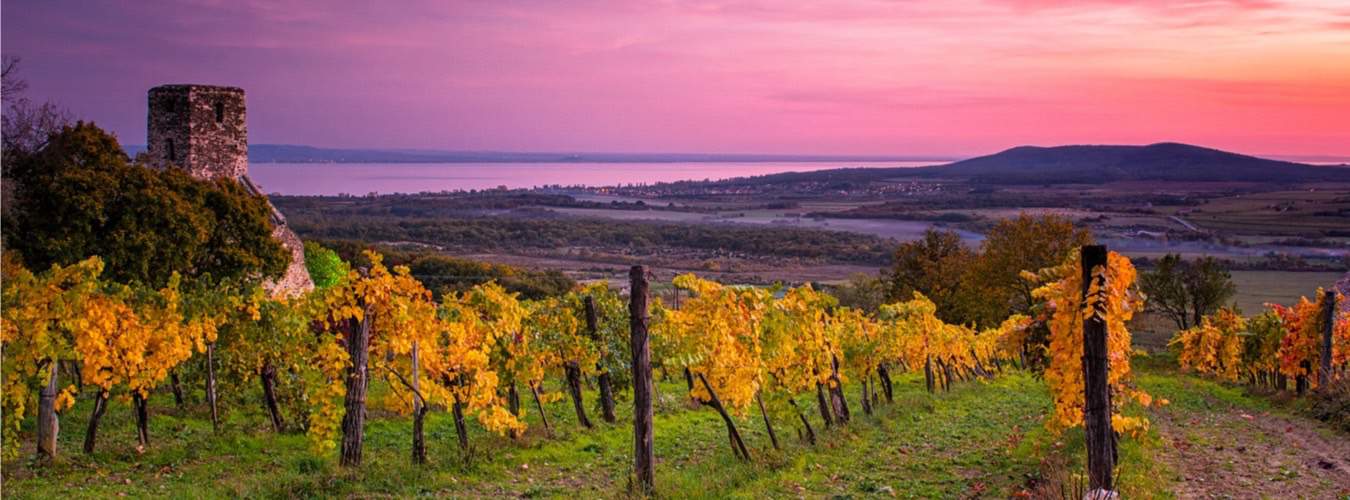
[[643, 457], [48, 425], [603, 379], [419, 409], [268, 376], [1101, 442], [211, 385], [354, 404], [1328, 326]]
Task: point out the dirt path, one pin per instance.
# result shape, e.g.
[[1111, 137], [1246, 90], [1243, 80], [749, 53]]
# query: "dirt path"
[[1227, 453]]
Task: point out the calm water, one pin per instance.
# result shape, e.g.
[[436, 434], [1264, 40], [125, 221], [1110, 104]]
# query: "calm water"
[[362, 178]]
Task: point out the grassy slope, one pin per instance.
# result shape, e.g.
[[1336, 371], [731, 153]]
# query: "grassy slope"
[[981, 439]]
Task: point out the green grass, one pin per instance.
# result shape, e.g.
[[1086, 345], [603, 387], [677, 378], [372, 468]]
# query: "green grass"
[[982, 439]]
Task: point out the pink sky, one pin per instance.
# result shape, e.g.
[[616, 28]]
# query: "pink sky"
[[952, 77]]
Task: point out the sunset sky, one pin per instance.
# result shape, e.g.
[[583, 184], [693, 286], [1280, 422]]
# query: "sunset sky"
[[952, 77]]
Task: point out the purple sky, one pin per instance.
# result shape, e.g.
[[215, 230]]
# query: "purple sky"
[[791, 76]]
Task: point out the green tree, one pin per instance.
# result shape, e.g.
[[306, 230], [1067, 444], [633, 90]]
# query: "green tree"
[[1185, 291], [325, 267], [933, 266], [80, 196], [862, 291], [1023, 243]]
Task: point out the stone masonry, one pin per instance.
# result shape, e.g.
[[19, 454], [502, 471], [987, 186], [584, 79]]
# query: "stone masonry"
[[198, 128], [202, 129]]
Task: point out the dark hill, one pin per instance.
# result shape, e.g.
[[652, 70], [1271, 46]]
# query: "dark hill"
[[1155, 162]]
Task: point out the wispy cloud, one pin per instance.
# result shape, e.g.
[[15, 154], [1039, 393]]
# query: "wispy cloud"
[[858, 76]]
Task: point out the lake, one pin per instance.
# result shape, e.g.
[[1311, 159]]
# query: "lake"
[[363, 178]]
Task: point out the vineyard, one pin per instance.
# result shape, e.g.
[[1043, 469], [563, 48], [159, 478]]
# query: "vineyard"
[[482, 385]]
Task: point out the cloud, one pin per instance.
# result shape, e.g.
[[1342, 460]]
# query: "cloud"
[[752, 75]]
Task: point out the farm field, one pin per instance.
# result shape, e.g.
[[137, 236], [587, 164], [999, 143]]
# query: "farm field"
[[1257, 288], [982, 439]]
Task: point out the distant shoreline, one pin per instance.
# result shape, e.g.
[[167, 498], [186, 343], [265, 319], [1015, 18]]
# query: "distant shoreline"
[[284, 153], [288, 153]]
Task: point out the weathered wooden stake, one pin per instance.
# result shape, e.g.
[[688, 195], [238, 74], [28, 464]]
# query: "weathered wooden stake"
[[1101, 441], [603, 379], [733, 435], [1328, 326], [91, 432], [177, 389], [866, 402], [810, 433], [139, 404], [543, 416], [211, 385], [824, 406], [419, 443], [838, 403], [573, 372], [885, 375], [768, 424], [268, 376], [928, 374], [48, 425], [457, 410], [354, 417], [644, 458]]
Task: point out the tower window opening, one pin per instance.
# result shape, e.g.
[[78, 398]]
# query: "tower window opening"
[[220, 112], [168, 153]]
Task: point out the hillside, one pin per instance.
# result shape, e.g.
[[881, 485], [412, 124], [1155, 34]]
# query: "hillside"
[[1085, 164], [1154, 162]]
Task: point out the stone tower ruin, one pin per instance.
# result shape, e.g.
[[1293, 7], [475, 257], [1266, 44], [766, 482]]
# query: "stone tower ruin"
[[199, 128], [202, 129]]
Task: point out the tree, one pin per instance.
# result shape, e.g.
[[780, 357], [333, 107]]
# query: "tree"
[[375, 311], [1261, 347], [130, 340], [40, 317], [1300, 346], [325, 267], [126, 340], [863, 292], [79, 196], [1023, 243], [1214, 346], [516, 354], [1186, 291], [716, 333], [459, 363], [263, 338], [25, 127], [559, 329], [933, 266], [798, 351], [606, 317]]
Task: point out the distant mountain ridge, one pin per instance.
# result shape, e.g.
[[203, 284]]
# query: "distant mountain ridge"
[[1086, 164], [290, 153], [1166, 161]]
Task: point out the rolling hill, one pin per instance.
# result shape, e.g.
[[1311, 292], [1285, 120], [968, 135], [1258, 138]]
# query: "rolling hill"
[[1154, 162], [1086, 164]]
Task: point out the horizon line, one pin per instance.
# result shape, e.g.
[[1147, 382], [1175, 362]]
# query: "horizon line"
[[801, 157]]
